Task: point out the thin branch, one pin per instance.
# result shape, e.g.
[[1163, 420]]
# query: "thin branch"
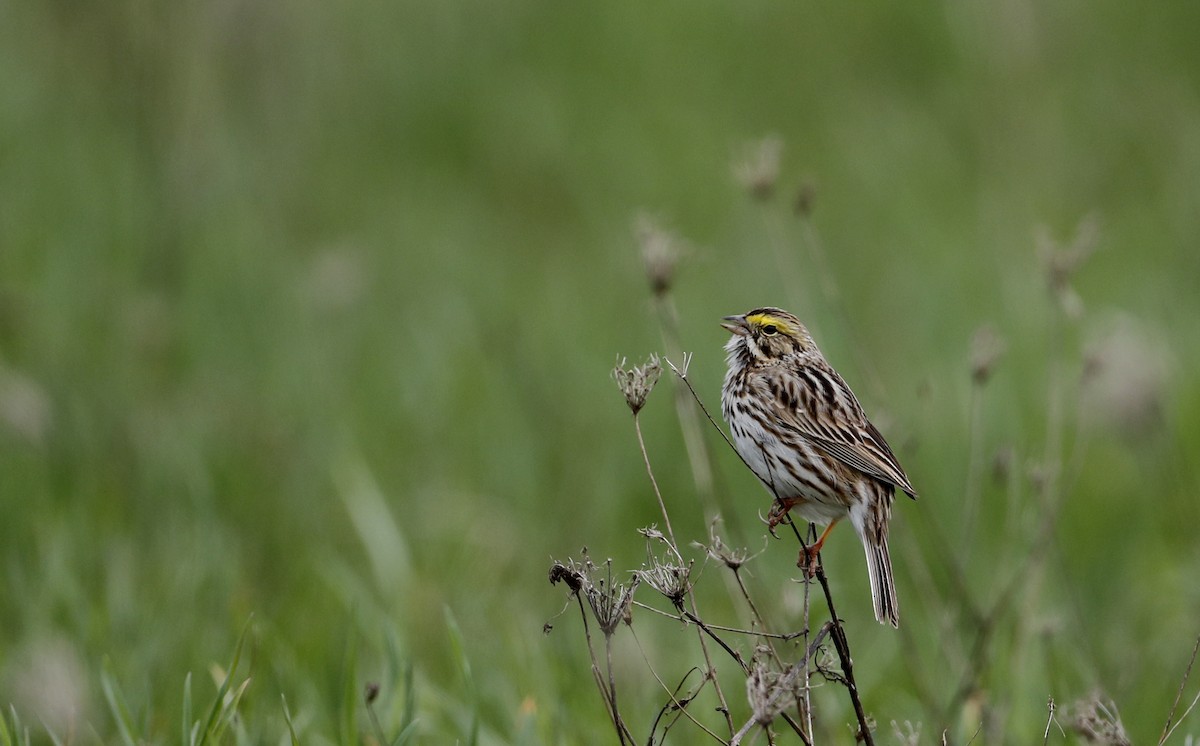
[[842, 645], [749, 632], [682, 374], [609, 701], [1168, 729], [681, 705], [974, 485], [637, 426], [807, 608], [711, 671], [737, 657], [1049, 720], [693, 437]]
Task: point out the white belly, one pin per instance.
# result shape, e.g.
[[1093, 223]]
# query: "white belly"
[[779, 472]]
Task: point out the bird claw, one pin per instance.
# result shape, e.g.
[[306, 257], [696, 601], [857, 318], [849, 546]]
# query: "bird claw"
[[778, 514], [808, 561], [770, 525]]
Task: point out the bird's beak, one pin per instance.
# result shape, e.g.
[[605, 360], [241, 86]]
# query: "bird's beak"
[[735, 324]]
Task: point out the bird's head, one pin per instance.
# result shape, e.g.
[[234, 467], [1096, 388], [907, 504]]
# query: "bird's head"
[[767, 334]]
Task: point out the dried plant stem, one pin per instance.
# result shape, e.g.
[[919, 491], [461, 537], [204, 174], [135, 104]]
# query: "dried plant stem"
[[612, 685], [1168, 729], [689, 423], [810, 651], [803, 706], [842, 645], [722, 628], [808, 722], [754, 612], [1049, 720], [682, 375], [710, 670], [974, 486], [681, 706], [608, 694], [662, 506]]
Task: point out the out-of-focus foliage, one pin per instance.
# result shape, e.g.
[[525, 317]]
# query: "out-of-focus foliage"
[[307, 312]]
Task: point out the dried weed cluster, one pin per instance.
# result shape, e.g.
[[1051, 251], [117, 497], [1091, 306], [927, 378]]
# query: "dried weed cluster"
[[1120, 382]]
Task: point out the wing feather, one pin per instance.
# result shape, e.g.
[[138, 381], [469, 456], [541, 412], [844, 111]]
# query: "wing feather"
[[838, 427]]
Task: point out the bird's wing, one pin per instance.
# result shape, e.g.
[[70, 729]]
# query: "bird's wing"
[[824, 411]]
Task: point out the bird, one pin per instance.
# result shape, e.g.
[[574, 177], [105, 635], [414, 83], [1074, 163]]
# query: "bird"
[[800, 429]]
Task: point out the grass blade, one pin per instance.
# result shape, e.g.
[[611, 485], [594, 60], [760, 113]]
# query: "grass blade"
[[212, 728], [287, 718], [116, 704], [186, 724], [458, 648]]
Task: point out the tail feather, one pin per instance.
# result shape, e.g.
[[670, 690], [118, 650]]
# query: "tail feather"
[[883, 585]]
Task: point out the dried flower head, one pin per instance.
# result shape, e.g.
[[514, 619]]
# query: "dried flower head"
[[806, 197], [637, 382], [987, 347], [560, 573], [668, 578], [1061, 263], [661, 252], [771, 692], [908, 735], [756, 168], [722, 552], [611, 603], [1097, 721]]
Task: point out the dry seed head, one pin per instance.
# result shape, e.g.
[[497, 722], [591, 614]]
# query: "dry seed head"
[[668, 578], [661, 252], [637, 382], [1098, 722], [909, 735], [722, 552], [987, 347], [806, 197], [1062, 263], [611, 603], [652, 532], [757, 167], [770, 692], [560, 573]]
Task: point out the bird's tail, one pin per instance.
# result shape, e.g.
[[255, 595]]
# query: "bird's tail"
[[883, 585]]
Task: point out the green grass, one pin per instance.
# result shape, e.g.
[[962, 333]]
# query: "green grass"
[[307, 313]]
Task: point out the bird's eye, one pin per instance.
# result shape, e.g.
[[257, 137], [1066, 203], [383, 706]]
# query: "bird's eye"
[[770, 330]]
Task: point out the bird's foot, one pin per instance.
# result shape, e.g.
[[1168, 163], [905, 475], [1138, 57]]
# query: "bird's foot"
[[779, 512], [809, 561]]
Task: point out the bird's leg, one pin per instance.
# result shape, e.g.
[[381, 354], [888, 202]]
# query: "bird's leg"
[[807, 560]]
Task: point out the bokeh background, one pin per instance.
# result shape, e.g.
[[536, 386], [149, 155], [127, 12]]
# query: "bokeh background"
[[307, 313]]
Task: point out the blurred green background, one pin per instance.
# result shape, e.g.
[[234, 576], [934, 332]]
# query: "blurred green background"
[[307, 312]]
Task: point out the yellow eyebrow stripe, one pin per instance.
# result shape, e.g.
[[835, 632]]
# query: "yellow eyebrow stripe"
[[762, 319]]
